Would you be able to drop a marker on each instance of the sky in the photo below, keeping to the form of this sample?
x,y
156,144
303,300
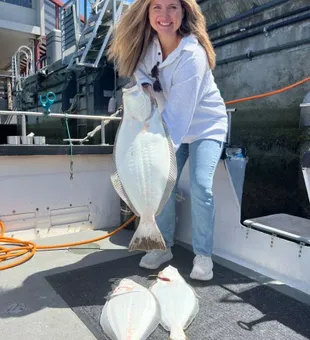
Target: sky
x,y
82,7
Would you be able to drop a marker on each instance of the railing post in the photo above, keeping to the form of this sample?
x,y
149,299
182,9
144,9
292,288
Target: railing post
x,y
24,130
102,132
229,128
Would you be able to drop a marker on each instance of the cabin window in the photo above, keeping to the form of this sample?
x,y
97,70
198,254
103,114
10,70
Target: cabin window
x,y
24,3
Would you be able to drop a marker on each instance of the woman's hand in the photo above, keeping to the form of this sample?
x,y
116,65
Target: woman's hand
x,y
149,89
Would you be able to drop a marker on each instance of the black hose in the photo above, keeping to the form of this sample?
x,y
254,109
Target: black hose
x,y
252,11
262,23
263,30
252,54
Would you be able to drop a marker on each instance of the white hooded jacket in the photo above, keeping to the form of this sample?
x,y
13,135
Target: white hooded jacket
x,y
190,102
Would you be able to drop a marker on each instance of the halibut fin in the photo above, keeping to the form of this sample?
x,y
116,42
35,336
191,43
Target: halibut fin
x,y
173,173
105,324
116,182
147,236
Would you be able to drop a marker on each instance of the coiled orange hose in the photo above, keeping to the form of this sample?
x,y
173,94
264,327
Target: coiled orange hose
x,y
29,248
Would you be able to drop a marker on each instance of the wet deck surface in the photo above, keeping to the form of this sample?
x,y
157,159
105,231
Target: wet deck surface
x,y
60,294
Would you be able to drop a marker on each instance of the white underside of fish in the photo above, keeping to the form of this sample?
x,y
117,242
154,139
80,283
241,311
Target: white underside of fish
x,y
178,302
145,166
131,313
142,158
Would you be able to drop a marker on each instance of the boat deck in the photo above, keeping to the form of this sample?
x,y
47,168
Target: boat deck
x,y
30,308
59,294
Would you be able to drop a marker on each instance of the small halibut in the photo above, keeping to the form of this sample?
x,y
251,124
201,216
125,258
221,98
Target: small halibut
x,y
145,168
131,312
178,302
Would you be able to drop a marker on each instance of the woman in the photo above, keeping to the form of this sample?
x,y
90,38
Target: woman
x,y
164,44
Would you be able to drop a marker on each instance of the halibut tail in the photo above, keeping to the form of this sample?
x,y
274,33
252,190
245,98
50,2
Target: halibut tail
x,y
177,333
147,237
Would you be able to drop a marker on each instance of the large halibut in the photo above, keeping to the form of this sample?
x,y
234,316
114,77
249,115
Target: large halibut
x,y
131,312
178,302
145,165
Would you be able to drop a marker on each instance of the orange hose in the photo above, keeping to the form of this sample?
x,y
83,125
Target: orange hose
x,y
258,96
29,248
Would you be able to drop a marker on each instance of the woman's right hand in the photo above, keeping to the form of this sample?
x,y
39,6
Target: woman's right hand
x,y
149,89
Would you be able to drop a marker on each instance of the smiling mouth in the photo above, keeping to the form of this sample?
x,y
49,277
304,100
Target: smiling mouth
x,y
164,24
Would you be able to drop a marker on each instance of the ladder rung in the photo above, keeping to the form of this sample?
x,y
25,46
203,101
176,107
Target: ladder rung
x,y
86,64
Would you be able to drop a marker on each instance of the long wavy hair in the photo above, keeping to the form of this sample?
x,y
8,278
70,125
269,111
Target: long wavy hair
x,y
133,34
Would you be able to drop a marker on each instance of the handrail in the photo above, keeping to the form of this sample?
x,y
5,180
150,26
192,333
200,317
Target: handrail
x,y
16,69
23,114
90,117
63,115
58,115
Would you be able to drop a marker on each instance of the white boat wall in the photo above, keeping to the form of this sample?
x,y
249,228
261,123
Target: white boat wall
x,y
39,199
276,246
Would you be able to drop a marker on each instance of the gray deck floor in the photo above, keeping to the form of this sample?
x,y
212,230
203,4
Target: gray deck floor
x,y
31,309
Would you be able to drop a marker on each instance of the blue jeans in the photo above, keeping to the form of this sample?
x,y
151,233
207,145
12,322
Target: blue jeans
x,y
203,156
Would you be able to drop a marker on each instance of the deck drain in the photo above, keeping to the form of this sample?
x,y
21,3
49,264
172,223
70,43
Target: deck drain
x,y
16,308
85,248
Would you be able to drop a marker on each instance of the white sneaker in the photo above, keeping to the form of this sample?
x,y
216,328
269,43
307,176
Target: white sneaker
x,y
202,269
154,258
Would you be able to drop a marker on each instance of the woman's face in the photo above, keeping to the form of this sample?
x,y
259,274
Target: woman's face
x,y
165,16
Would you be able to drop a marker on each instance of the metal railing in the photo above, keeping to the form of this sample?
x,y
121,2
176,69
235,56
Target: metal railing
x,y
104,119
26,53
